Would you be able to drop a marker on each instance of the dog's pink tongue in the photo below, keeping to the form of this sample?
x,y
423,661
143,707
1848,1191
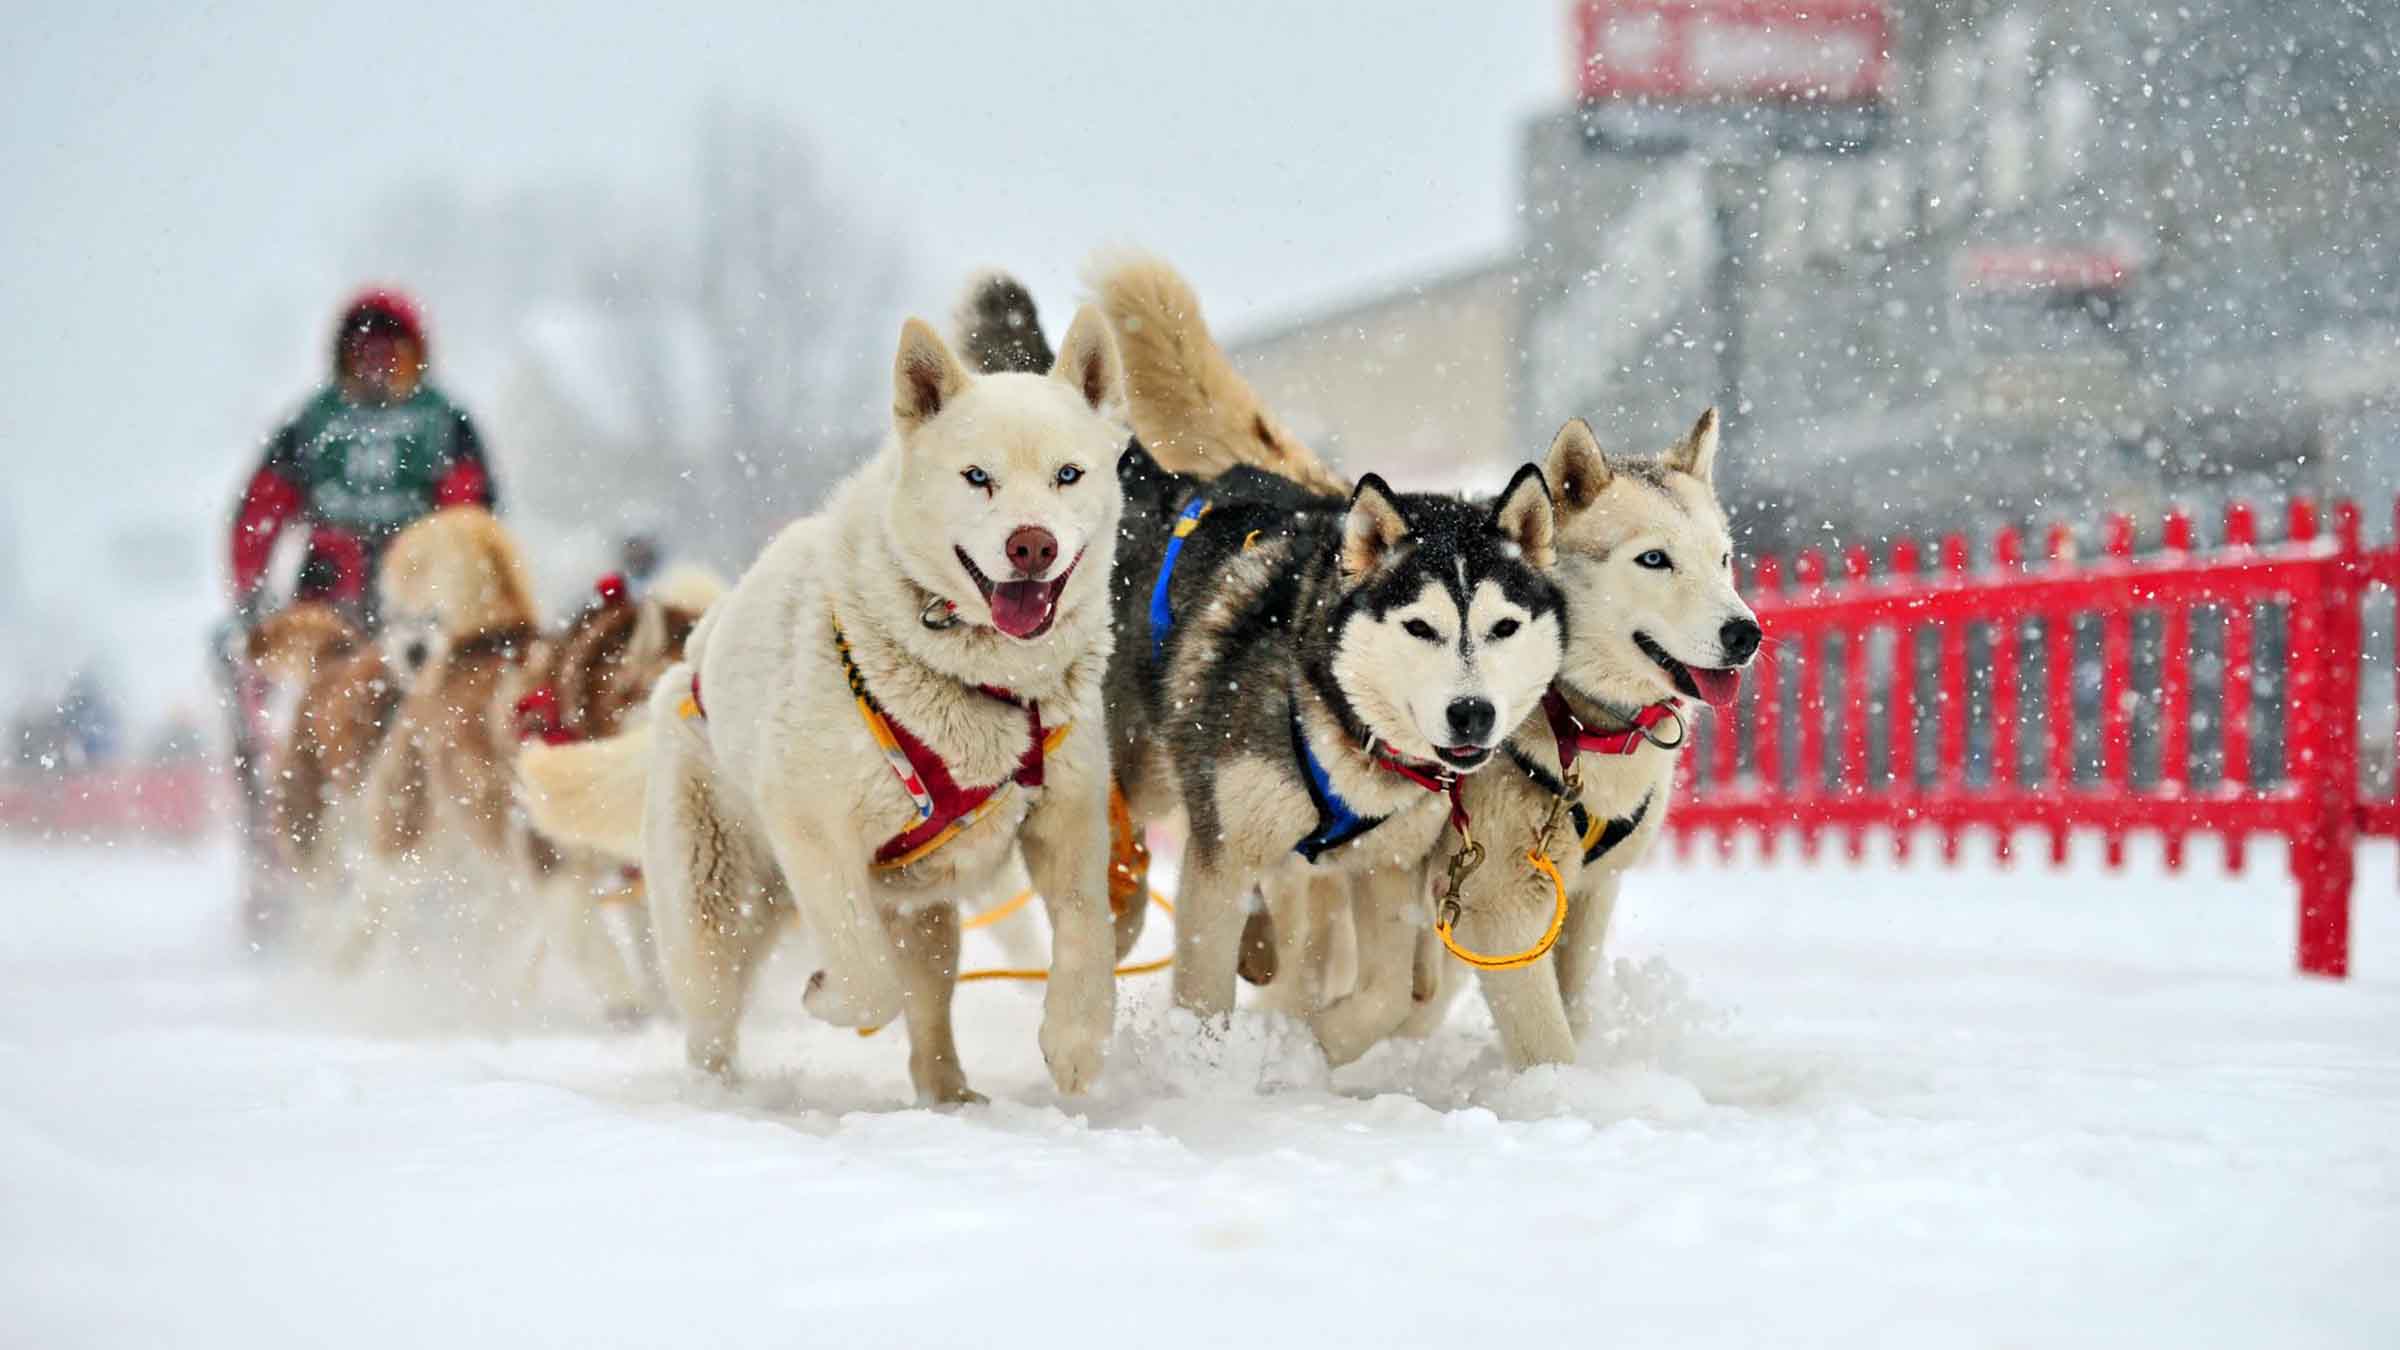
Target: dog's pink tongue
x,y
1719,687
1020,608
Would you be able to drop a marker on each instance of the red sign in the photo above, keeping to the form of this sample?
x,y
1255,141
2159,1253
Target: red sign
x,y
2038,267
1683,51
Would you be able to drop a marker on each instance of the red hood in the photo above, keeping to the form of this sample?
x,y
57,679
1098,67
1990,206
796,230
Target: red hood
x,y
380,307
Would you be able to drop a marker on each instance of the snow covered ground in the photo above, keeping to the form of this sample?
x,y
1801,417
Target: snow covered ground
x,y
1885,1106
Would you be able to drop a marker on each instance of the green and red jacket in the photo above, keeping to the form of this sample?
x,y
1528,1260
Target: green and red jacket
x,y
355,474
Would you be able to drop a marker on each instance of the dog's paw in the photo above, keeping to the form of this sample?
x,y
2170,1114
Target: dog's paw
x,y
1073,1047
844,1004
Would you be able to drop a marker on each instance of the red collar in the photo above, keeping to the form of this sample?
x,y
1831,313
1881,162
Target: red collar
x,y
1439,778
1574,738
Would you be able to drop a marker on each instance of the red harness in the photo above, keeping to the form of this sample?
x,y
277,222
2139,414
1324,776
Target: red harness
x,y
943,807
1575,738
953,806
537,712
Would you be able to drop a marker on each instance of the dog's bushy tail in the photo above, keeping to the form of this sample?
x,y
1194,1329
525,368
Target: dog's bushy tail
x,y
999,331
591,793
293,643
1191,408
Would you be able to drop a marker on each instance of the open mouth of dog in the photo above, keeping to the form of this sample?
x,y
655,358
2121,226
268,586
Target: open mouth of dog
x,y
1718,688
1464,758
1023,609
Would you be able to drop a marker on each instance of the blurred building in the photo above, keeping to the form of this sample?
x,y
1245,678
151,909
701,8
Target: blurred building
x,y
2051,258
1416,383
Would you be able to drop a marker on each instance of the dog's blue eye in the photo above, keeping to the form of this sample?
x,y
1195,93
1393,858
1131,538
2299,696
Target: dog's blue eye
x,y
1656,560
1069,473
1506,628
976,477
1421,630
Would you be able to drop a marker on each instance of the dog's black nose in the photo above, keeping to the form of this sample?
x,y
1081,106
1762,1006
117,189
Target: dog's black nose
x,y
1739,638
415,655
1471,718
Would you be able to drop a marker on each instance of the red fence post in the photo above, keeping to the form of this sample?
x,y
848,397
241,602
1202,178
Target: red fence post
x,y
1900,709
2175,688
2058,668
2327,639
2007,558
1809,777
1854,704
1766,709
2241,533
2116,681
1950,687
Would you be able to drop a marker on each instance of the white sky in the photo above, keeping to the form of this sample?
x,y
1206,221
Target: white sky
x,y
180,180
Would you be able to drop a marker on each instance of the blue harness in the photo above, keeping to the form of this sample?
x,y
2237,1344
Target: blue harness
x,y
1162,613
1337,823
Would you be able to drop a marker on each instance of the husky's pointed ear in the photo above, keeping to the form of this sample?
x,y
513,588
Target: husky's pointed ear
x,y
1524,517
1576,469
925,376
1088,361
1696,454
1373,528
648,645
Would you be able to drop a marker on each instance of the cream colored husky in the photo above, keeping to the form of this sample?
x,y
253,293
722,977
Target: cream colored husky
x,y
902,691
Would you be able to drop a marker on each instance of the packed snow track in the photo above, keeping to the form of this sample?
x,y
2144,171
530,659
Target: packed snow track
x,y
1907,1107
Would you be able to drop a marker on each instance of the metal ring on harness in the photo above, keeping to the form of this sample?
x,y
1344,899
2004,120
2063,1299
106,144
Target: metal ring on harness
x,y
1682,732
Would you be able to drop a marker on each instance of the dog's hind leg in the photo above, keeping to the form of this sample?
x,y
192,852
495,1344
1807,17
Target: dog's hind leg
x,y
713,906
583,922
926,945
1389,916
1304,910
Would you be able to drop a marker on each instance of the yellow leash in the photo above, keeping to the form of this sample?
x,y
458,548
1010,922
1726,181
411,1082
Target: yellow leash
x,y
1010,906
1470,856
1520,960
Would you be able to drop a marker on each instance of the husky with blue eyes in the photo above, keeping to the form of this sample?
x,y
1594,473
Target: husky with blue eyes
x,y
901,695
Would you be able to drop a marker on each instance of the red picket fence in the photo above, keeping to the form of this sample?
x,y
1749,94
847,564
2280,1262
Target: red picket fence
x,y
170,803
2180,691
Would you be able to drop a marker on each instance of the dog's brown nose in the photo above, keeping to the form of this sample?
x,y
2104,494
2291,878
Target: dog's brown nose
x,y
1031,550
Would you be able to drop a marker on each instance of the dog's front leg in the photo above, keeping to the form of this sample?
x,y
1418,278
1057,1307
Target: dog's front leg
x,y
1065,840
837,898
1509,913
1390,914
1583,945
1208,929
1305,908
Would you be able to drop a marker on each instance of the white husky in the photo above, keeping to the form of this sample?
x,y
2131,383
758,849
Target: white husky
x,y
902,691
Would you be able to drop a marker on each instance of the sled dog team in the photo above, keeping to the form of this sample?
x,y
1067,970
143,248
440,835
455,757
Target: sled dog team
x,y
391,798
1428,733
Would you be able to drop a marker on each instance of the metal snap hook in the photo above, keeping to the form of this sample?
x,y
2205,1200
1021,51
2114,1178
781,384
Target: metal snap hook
x,y
1682,733
949,615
